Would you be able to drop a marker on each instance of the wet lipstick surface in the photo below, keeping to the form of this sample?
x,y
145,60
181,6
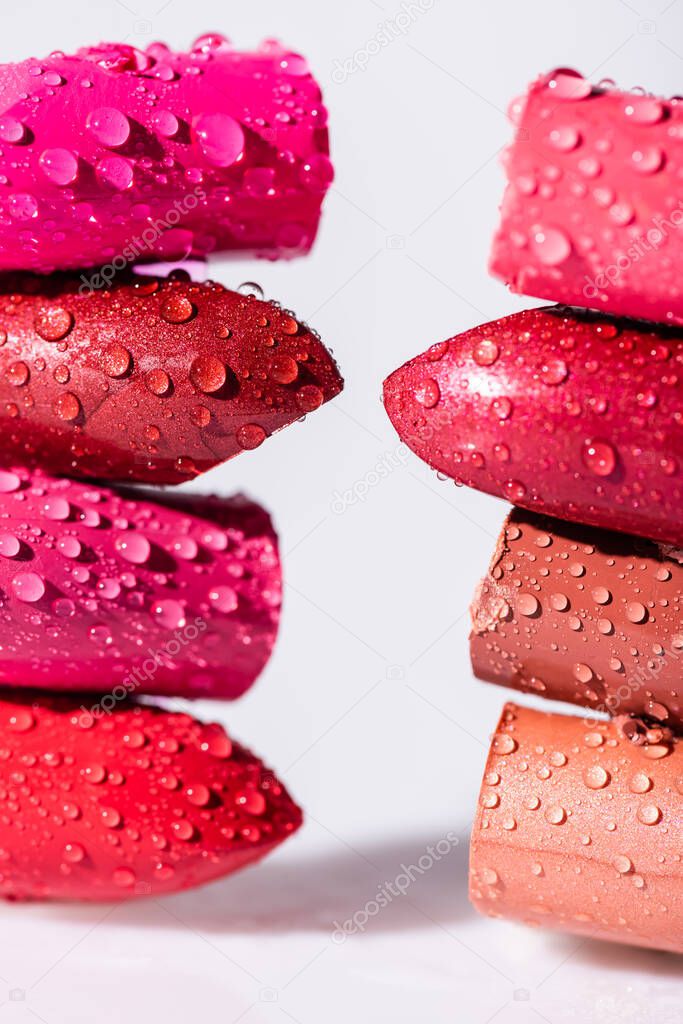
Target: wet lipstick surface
x,y
556,410
133,592
137,802
114,155
153,379
583,615
593,210
580,829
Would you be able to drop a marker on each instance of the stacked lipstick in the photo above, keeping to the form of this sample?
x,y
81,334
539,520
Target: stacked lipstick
x,y
108,157
577,414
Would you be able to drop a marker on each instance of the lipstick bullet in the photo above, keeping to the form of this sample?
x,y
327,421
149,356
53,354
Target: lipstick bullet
x,y
150,380
141,802
592,213
569,413
579,829
582,615
115,155
125,592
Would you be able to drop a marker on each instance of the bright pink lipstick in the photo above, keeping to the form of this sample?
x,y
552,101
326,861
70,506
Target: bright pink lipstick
x,y
127,592
593,212
569,413
113,155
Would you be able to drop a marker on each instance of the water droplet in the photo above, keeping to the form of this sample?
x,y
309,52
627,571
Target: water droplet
x,y
622,864
284,369
485,352
599,457
503,743
636,612
555,815
9,545
28,586
115,171
116,360
67,407
250,436
18,374
554,371
109,126
528,605
649,814
223,598
11,130
220,137
551,246
309,397
133,547
567,85
74,853
169,613
59,166
647,159
177,309
53,323
158,382
596,777
208,374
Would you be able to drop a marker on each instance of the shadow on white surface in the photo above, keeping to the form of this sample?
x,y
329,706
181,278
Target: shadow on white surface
x,y
312,893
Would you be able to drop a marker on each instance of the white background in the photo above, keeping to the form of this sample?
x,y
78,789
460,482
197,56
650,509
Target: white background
x,y
368,709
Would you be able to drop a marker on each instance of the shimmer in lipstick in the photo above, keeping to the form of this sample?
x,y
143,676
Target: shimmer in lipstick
x,y
582,615
557,410
152,379
579,829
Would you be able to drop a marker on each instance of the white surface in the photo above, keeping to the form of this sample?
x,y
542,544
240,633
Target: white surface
x,y
368,709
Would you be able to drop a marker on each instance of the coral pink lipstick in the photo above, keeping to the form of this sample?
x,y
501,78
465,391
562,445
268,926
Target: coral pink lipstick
x,y
579,829
593,212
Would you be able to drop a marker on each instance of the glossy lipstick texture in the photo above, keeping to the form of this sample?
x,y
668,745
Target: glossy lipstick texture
x,y
556,410
583,615
131,592
138,802
593,209
114,155
153,379
580,829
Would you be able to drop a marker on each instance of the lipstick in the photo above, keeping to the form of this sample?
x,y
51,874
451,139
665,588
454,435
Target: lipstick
x,y
582,615
151,379
114,155
579,829
560,411
139,802
592,213
124,592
